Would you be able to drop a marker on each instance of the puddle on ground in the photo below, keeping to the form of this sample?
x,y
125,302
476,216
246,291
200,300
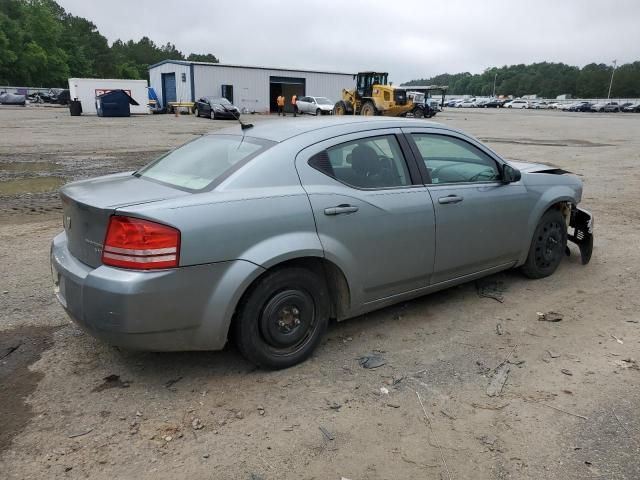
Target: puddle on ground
x,y
19,348
28,167
31,185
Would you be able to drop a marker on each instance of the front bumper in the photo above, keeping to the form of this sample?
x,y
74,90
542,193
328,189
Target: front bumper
x,y
582,223
186,308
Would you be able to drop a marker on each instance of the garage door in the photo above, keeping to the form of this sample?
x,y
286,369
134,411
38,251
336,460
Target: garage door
x,y
287,86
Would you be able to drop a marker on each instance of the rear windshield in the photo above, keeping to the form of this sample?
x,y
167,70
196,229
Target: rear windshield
x,y
198,164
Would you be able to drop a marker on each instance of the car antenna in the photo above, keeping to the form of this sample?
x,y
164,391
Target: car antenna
x,y
243,126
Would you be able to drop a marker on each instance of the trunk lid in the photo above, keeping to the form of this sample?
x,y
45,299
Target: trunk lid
x,y
88,204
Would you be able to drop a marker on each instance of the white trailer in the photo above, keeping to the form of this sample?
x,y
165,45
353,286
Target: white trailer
x,y
87,89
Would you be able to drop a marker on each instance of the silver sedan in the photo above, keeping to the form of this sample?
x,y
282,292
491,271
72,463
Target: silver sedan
x,y
271,231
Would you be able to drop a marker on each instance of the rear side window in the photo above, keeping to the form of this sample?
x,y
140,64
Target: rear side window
x,y
451,160
198,164
372,162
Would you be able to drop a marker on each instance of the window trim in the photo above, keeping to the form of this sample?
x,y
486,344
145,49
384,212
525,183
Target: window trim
x,y
405,151
451,134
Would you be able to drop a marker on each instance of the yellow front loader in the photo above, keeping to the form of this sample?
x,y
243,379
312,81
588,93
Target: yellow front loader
x,y
373,96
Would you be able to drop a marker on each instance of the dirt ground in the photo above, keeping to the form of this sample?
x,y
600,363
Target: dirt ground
x,y
72,407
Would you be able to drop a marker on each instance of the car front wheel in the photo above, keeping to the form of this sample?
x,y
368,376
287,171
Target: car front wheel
x,y
212,114
282,318
548,246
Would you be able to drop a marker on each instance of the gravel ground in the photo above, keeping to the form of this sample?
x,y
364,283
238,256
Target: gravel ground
x,y
72,407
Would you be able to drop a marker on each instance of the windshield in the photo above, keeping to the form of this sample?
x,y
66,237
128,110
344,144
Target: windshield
x,y
197,164
323,101
221,101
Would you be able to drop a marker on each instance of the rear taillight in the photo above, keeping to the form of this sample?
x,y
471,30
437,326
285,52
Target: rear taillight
x,y
140,244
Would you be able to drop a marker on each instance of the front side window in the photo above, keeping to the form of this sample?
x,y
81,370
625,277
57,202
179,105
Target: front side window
x,y
451,160
197,164
373,162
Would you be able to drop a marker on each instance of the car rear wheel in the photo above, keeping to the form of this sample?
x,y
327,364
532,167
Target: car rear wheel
x,y
280,321
548,246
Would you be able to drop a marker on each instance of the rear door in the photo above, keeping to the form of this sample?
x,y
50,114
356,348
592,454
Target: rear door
x,y
374,217
480,221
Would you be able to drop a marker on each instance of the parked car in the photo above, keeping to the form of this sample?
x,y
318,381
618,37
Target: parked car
x,y
468,103
634,107
315,105
269,231
494,103
518,103
583,107
215,107
539,105
612,107
600,106
451,103
12,99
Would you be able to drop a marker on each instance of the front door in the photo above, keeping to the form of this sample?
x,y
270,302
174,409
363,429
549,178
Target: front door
x,y
374,218
168,88
479,220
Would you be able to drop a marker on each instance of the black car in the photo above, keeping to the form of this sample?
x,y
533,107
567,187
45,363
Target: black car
x,y
634,107
583,107
216,107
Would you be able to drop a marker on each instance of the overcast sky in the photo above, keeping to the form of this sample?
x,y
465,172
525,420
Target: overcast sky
x,y
409,39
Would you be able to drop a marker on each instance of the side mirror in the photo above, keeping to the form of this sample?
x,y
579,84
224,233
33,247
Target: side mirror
x,y
510,174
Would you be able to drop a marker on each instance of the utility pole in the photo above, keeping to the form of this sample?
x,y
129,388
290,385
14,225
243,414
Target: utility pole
x,y
494,85
611,82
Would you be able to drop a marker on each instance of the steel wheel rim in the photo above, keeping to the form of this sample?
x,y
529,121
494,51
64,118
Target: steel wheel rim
x,y
288,320
549,245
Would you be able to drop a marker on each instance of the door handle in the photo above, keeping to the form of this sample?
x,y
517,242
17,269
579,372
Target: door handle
x,y
450,199
340,209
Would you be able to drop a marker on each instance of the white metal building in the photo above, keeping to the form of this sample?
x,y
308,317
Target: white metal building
x,y
253,88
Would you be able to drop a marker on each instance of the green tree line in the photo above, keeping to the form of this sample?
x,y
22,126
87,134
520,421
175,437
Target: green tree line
x,y
546,80
41,45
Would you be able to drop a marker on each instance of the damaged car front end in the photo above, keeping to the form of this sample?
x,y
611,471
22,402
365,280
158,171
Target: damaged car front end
x,y
579,220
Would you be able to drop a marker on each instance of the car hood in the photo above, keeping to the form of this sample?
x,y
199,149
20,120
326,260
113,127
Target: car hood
x,y
530,167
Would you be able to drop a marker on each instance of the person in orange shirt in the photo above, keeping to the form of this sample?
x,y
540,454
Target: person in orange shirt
x,y
280,103
294,103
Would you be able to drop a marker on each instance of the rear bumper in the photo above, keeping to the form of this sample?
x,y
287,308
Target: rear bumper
x,y
186,308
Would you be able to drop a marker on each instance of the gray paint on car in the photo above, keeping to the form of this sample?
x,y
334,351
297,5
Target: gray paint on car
x,y
401,243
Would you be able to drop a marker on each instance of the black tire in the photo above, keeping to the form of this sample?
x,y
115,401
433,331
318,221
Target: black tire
x,y
340,108
318,112
196,112
548,245
368,109
212,114
281,319
418,113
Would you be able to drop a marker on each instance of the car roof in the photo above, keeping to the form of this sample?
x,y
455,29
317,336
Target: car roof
x,y
281,130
